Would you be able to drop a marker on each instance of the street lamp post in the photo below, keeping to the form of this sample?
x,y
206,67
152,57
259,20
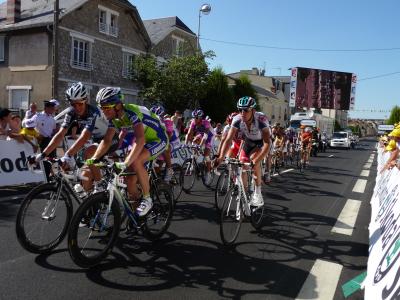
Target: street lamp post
x,y
204,9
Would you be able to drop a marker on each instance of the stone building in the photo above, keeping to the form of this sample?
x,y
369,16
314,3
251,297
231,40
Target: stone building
x,y
97,43
170,37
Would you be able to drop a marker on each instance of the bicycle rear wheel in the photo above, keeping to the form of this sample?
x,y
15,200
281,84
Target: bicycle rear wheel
x,y
159,218
93,232
188,175
43,218
231,217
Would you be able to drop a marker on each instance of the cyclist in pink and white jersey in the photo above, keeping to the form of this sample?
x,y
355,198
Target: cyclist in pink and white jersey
x,y
200,133
169,126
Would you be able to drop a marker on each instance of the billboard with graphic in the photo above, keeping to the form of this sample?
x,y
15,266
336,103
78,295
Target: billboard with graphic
x,y
322,89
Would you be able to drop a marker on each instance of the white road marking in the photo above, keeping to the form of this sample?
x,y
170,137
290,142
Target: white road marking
x,y
347,218
288,170
367,166
330,155
360,185
321,282
364,173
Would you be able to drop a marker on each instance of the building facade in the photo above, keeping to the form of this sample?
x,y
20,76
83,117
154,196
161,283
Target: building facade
x,y
97,43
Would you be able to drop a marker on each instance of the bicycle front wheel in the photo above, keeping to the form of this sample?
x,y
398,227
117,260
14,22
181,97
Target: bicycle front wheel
x,y
223,184
93,230
257,215
188,175
231,217
158,219
43,218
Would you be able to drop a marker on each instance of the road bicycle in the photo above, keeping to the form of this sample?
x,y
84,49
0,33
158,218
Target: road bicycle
x,y
192,169
46,211
96,224
236,204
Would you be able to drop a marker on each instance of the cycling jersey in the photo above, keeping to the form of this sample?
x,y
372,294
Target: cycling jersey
x,y
254,133
203,128
156,139
92,121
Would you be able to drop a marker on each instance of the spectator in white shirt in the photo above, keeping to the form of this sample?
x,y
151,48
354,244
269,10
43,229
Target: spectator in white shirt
x,y
30,113
45,125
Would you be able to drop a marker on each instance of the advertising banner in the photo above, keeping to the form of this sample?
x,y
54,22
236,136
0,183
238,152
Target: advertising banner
x,y
293,81
383,273
13,169
322,89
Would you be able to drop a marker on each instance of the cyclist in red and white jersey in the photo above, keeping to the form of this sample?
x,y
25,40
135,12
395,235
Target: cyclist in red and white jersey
x,y
254,127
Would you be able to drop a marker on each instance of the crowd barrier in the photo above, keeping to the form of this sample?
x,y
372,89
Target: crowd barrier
x,y
13,168
383,272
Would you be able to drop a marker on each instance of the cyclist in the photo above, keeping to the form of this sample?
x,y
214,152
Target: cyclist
x,y
254,127
89,120
306,137
200,133
148,140
237,140
169,126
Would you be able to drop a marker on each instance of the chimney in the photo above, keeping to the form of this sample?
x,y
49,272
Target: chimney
x,y
13,11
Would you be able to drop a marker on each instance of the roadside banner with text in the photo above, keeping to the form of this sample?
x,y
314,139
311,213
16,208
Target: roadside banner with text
x,y
13,168
383,273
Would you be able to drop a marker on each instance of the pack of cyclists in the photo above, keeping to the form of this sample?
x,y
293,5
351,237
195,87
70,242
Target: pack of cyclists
x,y
145,134
132,137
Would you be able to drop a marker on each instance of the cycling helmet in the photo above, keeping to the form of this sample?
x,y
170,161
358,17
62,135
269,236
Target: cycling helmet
x,y
246,102
197,113
77,91
109,95
158,110
230,117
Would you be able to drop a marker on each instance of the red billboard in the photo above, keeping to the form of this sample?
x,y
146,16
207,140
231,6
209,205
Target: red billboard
x,y
322,89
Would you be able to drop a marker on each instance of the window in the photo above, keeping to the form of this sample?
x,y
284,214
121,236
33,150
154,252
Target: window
x,y
102,21
177,46
18,96
113,25
81,51
1,48
127,66
108,21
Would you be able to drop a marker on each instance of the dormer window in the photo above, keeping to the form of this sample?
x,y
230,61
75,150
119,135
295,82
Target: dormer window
x,y
108,21
177,46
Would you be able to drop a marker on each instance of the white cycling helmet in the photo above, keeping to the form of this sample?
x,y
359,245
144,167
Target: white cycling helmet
x,y
77,91
109,95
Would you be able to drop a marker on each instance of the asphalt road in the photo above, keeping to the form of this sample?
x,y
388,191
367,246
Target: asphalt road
x,y
280,261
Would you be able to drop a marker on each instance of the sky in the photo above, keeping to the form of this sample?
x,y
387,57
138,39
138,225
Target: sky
x,y
311,24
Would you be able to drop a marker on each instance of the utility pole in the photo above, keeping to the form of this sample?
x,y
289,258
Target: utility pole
x,y
55,49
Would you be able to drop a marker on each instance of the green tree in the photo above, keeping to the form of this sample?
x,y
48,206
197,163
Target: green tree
x,y
394,116
243,87
179,83
218,101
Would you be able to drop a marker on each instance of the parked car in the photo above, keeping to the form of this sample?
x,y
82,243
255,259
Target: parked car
x,y
340,139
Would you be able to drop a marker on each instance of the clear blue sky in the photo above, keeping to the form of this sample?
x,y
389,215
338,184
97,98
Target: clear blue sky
x,y
316,24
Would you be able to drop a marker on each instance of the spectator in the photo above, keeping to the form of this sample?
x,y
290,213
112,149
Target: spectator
x,y
15,123
178,121
30,134
56,105
45,125
7,129
30,113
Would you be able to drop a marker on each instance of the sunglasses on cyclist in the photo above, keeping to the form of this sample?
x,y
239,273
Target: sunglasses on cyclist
x,y
244,109
77,103
106,107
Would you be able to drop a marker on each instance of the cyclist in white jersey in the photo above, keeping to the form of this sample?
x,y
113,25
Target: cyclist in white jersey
x,y
254,127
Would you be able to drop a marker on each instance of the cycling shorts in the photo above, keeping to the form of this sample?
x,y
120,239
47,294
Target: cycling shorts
x,y
199,137
249,148
235,147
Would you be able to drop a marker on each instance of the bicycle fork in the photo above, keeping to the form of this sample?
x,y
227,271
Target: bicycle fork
x,y
52,203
